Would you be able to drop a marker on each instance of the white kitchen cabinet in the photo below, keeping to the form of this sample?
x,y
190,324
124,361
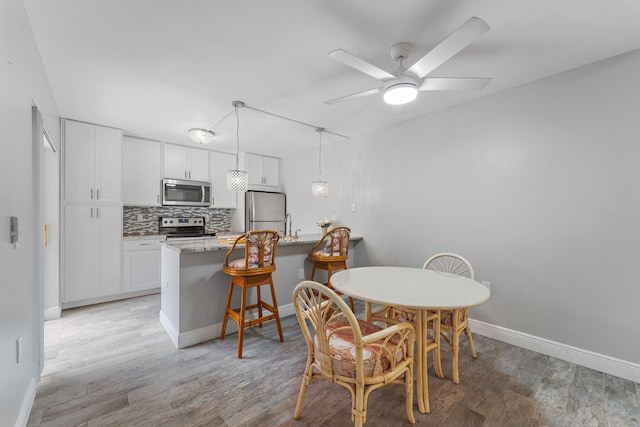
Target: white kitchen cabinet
x,y
92,251
140,264
186,163
264,171
220,163
141,172
93,158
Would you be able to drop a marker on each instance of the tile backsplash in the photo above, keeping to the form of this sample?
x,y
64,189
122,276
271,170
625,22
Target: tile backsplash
x,y
216,220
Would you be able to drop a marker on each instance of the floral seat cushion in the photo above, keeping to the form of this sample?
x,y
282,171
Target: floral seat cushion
x,y
446,317
342,350
254,258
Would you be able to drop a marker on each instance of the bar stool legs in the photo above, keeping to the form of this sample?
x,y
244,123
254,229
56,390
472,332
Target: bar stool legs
x,y
239,314
330,267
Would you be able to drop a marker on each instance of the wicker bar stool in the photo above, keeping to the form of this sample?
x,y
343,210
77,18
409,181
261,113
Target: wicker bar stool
x,y
330,253
252,271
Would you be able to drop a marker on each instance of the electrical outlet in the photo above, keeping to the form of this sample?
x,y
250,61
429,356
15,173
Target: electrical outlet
x,y
353,207
334,218
301,273
19,349
487,285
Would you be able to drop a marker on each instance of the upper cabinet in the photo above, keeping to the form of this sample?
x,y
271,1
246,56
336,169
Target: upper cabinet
x,y
220,163
186,163
264,172
141,172
92,163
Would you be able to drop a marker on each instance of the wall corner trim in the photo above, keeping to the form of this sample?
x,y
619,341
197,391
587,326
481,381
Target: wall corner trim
x,y
27,404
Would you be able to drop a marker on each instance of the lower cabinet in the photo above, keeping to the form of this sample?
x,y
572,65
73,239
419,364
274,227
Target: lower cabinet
x,y
140,265
92,251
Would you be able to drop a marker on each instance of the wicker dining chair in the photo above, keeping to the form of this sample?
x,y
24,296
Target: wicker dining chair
x,y
252,271
330,253
450,325
353,353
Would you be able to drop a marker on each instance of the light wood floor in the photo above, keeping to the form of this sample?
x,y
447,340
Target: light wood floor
x,y
113,365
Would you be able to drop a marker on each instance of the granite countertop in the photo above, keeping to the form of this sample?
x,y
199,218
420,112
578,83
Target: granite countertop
x,y
142,236
213,244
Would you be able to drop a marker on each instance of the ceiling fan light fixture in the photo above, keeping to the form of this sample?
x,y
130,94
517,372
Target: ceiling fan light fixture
x,y
201,136
400,93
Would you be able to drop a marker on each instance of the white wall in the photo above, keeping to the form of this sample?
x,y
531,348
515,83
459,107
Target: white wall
x,y
538,186
22,80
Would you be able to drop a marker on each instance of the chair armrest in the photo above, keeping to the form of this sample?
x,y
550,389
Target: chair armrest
x,y
400,328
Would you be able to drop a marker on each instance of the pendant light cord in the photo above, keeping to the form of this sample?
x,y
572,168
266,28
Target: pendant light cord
x,y
237,138
320,152
240,104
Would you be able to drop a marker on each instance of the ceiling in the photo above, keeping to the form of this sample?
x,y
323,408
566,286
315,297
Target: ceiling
x,y
156,68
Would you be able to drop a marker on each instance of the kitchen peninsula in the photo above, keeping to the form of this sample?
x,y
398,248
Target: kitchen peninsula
x,y
194,287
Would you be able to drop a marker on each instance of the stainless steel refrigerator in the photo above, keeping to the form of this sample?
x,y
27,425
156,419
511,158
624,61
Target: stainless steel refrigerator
x,y
265,210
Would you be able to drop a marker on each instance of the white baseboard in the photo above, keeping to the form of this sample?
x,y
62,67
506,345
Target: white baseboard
x,y
197,336
599,362
109,298
52,313
27,404
169,328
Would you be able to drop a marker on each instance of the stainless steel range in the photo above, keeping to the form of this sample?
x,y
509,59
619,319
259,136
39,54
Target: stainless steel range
x,y
184,228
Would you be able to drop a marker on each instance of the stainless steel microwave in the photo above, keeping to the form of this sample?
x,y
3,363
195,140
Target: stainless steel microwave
x,y
180,192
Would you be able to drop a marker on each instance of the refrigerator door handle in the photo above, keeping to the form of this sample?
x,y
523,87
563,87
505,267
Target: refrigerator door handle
x,y
252,212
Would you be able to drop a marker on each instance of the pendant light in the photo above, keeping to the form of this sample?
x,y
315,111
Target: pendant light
x,y
237,180
320,188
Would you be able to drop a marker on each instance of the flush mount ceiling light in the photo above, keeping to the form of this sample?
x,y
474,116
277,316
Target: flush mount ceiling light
x,y
320,188
237,180
201,136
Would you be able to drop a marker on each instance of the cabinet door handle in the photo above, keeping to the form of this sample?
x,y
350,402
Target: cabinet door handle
x,y
189,174
158,198
91,193
98,194
97,212
185,175
91,212
145,244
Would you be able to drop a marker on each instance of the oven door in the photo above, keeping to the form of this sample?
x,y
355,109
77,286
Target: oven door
x,y
178,192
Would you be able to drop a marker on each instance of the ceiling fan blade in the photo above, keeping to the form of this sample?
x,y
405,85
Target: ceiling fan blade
x,y
454,43
453,83
354,96
360,64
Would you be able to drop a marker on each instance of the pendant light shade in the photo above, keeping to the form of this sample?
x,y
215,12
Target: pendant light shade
x,y
202,136
320,188
237,180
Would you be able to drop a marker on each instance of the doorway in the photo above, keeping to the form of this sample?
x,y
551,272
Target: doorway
x,y
46,224
51,227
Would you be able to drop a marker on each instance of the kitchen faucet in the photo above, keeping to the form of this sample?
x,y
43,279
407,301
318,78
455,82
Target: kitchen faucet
x,y
287,218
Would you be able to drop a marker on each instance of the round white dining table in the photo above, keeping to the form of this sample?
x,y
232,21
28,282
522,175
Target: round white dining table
x,y
417,288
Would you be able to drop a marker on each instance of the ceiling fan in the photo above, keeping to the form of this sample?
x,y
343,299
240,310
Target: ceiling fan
x,y
402,86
